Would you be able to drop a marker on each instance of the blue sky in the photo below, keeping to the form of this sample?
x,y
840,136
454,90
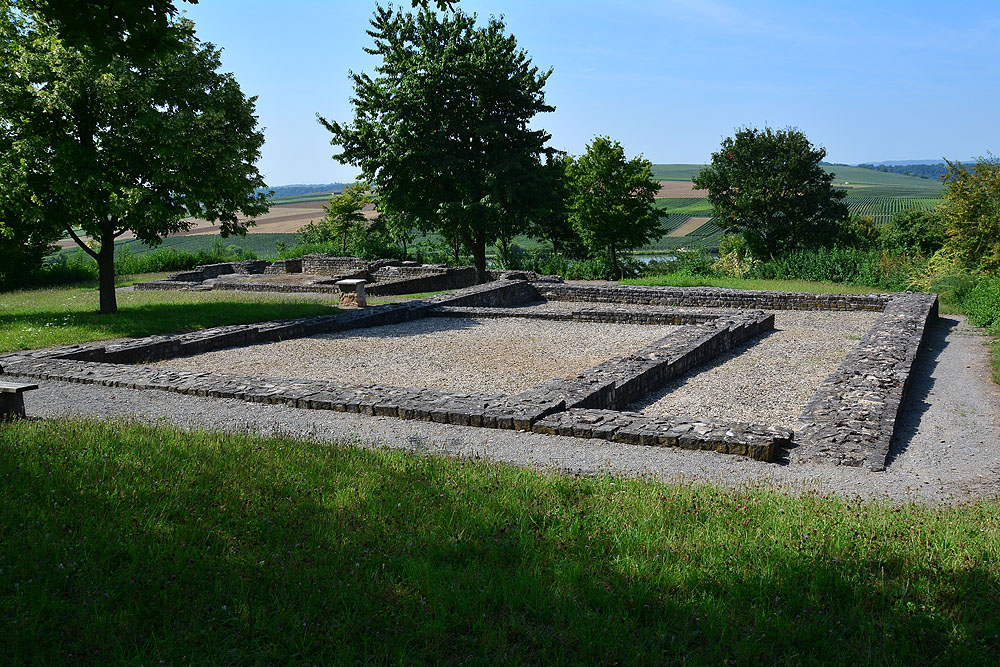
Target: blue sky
x,y
669,79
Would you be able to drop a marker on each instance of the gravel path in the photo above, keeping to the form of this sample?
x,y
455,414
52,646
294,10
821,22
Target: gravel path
x,y
501,356
949,449
769,380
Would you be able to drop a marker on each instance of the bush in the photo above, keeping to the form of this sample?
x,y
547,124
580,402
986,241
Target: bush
x,y
914,232
982,302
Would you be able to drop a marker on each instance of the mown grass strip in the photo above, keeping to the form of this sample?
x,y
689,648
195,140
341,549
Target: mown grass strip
x,y
38,318
129,543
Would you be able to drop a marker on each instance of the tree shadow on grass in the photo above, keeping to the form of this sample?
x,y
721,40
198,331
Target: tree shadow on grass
x,y
213,550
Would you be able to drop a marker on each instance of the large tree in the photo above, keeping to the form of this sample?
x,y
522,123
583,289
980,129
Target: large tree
x,y
440,129
611,199
137,29
768,185
972,213
101,147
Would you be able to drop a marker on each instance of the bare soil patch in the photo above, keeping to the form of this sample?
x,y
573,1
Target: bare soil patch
x,y
679,190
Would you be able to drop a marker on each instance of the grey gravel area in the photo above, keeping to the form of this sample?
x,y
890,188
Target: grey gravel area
x,y
501,356
769,380
949,449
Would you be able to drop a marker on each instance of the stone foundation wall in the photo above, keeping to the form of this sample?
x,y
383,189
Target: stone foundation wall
x,y
852,417
332,266
208,271
413,280
711,297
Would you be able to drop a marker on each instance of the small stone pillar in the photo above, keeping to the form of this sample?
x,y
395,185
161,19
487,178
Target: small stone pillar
x,y
352,293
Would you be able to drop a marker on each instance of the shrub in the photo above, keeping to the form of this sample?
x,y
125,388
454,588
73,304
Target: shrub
x,y
914,232
982,302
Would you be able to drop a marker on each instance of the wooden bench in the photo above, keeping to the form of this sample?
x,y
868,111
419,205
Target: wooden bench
x,y
12,398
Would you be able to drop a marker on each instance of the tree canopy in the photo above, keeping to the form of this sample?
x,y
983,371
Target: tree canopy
x,y
972,213
98,148
611,199
440,130
768,185
137,29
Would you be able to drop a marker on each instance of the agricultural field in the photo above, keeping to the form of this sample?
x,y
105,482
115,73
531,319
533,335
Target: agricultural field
x,y
871,193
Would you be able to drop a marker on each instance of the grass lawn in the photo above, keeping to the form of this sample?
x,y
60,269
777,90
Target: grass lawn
x,y
128,543
42,317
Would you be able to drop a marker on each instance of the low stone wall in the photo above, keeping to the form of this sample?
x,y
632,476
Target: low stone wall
x,y
852,417
282,266
208,271
413,280
711,297
605,314
332,266
634,428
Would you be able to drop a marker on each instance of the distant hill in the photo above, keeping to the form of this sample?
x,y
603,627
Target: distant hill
x,y
299,189
858,181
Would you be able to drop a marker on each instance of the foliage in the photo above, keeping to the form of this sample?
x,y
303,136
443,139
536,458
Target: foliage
x,y
552,222
441,129
116,145
769,186
343,215
35,318
913,231
108,28
126,543
972,213
857,231
611,200
982,303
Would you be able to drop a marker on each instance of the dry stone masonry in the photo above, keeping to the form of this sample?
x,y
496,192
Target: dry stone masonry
x,y
849,421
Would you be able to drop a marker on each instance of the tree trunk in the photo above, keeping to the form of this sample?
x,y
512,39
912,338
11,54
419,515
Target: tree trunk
x,y
106,273
479,258
614,262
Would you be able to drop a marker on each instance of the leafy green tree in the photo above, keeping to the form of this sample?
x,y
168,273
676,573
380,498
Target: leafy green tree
x,y
769,186
344,213
441,128
611,199
972,213
115,146
136,29
551,221
913,231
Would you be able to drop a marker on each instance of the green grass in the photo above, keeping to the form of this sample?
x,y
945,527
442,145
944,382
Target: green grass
x,y
38,318
133,544
687,280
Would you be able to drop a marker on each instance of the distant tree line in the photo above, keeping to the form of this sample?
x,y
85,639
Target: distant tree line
x,y
930,171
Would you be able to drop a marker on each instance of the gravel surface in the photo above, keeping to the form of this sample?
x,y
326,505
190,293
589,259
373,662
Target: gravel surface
x,y
501,356
948,449
770,379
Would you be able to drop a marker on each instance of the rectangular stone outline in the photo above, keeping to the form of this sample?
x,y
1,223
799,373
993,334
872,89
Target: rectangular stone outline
x,y
863,437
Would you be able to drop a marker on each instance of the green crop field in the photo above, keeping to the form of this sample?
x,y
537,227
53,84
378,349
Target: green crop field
x,y
883,208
